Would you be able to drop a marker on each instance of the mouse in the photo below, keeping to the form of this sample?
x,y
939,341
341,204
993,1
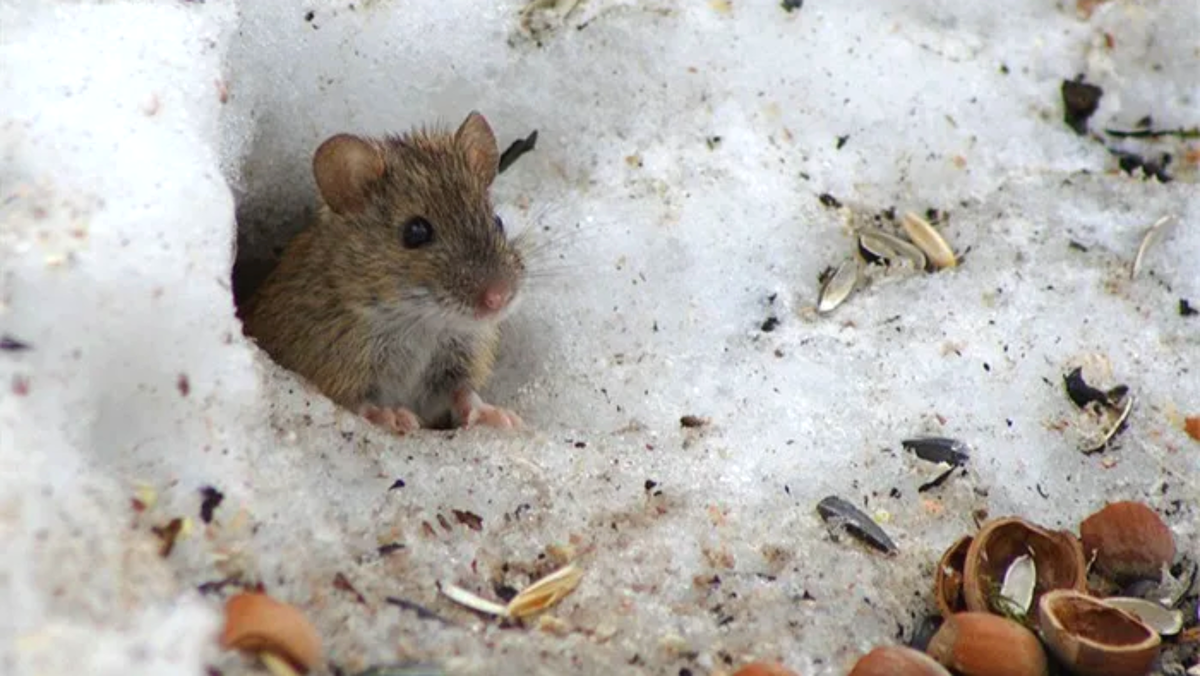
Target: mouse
x,y
390,301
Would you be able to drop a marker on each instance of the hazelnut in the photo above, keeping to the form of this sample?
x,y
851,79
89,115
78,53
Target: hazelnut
x,y
1129,540
982,644
1057,555
894,660
1093,638
276,632
764,669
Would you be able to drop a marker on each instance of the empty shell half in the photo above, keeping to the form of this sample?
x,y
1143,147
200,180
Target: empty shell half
x,y
1093,638
925,236
948,578
1057,555
879,247
837,286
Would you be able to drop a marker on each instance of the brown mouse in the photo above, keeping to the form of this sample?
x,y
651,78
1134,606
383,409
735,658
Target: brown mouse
x,y
390,301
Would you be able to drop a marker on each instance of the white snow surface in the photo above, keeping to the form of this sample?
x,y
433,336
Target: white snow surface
x,y
682,148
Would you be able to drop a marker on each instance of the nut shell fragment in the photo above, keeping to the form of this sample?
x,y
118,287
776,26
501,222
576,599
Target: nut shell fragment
x,y
1191,425
764,669
257,623
1093,638
1056,554
948,578
982,644
894,660
1129,540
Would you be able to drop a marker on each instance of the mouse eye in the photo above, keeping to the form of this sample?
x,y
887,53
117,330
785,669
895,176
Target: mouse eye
x,y
417,232
499,224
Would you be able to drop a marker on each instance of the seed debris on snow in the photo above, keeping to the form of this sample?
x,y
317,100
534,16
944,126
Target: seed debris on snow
x,y
537,597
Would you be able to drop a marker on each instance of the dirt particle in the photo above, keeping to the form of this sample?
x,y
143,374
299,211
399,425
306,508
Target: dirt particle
x,y
829,200
167,536
10,344
1080,100
468,519
210,499
341,582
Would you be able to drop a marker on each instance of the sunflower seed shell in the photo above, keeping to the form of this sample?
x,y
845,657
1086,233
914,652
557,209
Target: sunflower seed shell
x,y
927,238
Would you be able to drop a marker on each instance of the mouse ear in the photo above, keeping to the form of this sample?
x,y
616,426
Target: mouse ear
x,y
345,166
476,139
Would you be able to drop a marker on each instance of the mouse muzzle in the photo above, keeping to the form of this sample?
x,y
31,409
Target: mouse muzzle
x,y
495,297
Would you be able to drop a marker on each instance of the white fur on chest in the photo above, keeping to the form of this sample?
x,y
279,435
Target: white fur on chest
x,y
411,348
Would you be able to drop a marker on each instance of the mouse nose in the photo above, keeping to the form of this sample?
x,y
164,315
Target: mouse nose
x,y
495,297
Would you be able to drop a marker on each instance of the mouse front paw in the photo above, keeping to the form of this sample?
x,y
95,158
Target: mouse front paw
x,y
494,416
398,420
471,411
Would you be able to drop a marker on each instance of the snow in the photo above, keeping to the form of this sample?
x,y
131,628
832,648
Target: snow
x,y
682,148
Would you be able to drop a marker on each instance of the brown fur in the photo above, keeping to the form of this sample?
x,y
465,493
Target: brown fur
x,y
369,321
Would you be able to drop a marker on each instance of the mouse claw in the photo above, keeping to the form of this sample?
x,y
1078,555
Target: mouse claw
x,y
398,420
472,411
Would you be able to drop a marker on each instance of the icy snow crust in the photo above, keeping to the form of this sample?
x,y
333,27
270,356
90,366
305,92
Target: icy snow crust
x,y
682,147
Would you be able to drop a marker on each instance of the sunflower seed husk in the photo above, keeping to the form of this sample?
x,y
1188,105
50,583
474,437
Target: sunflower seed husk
x,y
944,471
938,449
1185,582
463,597
1019,581
1083,394
276,665
405,669
841,514
1169,590
545,592
1116,424
838,286
1152,235
1165,621
877,246
927,238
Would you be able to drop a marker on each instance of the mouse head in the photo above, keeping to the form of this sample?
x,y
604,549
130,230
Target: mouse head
x,y
418,223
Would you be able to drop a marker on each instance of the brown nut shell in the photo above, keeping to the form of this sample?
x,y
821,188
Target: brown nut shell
x,y
1129,540
1057,555
1095,639
895,660
257,623
764,669
982,644
948,578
